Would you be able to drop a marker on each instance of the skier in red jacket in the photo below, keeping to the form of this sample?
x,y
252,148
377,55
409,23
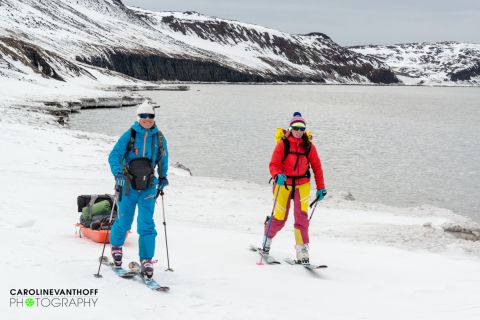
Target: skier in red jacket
x,y
290,168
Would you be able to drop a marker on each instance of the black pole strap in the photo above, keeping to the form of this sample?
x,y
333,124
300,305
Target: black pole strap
x,y
314,201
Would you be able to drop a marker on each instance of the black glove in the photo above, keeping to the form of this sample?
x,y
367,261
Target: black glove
x,y
162,183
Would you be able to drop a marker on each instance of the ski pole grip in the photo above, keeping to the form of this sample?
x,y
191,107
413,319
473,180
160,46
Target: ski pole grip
x,y
314,201
118,193
159,193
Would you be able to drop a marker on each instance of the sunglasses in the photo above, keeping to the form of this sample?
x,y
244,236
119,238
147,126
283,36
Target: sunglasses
x,y
298,128
146,115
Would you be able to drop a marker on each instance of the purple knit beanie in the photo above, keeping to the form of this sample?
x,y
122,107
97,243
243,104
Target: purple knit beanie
x,y
297,120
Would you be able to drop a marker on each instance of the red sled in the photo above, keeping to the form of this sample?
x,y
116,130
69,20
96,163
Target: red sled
x,y
95,235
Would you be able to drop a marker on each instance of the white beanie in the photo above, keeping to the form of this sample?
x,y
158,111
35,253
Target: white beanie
x,y
145,107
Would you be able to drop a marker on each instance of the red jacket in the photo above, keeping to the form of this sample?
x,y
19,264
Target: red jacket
x,y
288,167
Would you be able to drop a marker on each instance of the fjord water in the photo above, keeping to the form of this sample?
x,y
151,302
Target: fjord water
x,y
401,146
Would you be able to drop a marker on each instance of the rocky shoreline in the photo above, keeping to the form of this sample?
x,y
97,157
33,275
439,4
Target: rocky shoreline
x,y
62,108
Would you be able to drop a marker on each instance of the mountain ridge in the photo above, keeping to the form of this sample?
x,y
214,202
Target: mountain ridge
x,y
108,34
190,46
430,63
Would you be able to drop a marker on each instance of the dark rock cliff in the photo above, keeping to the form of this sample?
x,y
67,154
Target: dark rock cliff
x,y
466,74
155,67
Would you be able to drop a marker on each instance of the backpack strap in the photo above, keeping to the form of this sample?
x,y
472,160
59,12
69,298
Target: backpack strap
x,y
130,147
131,143
308,143
161,153
286,148
93,198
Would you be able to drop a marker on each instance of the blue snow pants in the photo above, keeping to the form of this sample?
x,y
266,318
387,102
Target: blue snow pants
x,y
145,199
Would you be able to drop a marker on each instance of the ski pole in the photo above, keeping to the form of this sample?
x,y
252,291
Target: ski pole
x,y
314,207
270,220
98,275
165,229
315,202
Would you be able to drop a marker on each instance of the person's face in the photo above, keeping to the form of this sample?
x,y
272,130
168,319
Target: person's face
x,y
298,132
146,120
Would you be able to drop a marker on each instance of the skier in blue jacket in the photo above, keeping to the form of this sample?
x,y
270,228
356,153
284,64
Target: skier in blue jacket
x,y
132,161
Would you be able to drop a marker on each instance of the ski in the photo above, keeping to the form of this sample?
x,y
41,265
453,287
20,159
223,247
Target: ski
x,y
308,266
134,270
154,285
150,283
118,270
266,257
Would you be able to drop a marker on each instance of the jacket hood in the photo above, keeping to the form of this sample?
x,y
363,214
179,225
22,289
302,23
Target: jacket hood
x,y
137,127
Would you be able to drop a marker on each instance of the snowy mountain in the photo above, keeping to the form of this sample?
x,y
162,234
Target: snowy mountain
x,y
61,38
441,63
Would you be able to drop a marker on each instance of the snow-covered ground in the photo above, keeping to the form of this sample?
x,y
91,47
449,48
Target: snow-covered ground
x,y
383,262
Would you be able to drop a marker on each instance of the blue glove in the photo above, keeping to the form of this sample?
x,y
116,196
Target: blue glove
x,y
120,180
321,193
162,183
280,179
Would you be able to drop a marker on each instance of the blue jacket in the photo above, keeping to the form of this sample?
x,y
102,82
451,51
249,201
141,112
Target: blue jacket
x,y
142,149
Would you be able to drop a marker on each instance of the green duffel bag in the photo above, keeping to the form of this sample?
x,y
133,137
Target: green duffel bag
x,y
100,208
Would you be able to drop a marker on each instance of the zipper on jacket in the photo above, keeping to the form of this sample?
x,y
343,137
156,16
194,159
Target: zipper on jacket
x,y
145,143
297,166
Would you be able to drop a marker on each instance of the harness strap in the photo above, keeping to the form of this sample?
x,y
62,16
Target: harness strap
x,y
294,183
296,163
295,178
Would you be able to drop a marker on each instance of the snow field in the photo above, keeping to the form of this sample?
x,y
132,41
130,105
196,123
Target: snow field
x,y
210,224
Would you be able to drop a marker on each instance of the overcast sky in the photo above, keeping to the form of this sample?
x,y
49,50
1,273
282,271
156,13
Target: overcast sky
x,y
348,22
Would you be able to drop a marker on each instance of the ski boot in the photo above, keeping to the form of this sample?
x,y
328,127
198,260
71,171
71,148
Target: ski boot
x,y
117,255
266,250
302,253
147,268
